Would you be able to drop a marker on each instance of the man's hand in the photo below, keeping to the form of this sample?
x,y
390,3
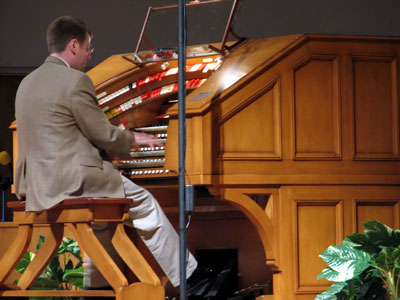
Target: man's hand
x,y
144,139
141,139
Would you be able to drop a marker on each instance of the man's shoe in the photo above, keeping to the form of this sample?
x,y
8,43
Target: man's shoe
x,y
200,281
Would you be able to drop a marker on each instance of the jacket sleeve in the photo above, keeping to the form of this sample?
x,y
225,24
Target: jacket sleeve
x,y
93,123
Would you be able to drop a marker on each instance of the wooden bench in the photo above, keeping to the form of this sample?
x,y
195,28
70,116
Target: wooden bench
x,y
78,214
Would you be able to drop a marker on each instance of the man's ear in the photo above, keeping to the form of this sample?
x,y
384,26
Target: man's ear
x,y
73,45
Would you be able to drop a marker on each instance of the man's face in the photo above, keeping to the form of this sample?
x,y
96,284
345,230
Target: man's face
x,y
82,54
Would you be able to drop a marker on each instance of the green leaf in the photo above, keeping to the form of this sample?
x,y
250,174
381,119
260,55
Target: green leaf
x,y
371,274
73,274
346,261
366,265
379,234
24,262
361,242
333,275
397,260
45,284
78,282
40,242
386,258
396,257
330,294
54,276
70,246
396,236
359,286
365,287
75,277
326,273
54,270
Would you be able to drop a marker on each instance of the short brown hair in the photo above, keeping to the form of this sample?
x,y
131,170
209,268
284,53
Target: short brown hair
x,y
62,30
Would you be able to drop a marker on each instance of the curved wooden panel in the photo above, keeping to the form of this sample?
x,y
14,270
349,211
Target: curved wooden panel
x,y
256,215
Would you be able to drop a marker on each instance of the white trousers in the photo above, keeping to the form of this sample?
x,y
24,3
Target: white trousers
x,y
146,215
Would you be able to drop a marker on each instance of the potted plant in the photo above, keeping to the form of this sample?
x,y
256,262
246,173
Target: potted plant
x,y
365,266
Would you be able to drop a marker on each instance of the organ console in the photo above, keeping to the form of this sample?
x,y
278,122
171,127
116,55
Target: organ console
x,y
139,99
300,133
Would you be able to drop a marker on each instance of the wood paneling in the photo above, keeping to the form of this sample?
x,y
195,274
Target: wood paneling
x,y
322,216
319,223
316,108
254,121
313,123
376,113
381,210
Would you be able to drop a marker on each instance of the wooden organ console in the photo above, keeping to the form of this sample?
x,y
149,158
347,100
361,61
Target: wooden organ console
x,y
307,125
139,98
299,132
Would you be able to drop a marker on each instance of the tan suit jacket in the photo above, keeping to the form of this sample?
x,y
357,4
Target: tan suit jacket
x,y
61,137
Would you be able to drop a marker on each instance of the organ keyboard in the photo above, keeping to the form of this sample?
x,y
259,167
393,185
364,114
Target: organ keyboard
x,y
139,100
158,89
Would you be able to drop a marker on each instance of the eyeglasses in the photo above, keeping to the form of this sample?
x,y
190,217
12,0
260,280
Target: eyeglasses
x,y
90,50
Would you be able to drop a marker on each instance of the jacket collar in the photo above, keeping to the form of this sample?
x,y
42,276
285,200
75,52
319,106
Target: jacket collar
x,y
57,61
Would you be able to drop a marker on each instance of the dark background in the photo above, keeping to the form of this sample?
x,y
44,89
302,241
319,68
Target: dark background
x,y
117,23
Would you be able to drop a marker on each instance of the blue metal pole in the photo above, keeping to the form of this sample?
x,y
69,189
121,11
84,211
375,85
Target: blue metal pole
x,y
182,144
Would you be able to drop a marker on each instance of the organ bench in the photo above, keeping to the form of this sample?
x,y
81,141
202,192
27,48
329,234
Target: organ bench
x,y
77,214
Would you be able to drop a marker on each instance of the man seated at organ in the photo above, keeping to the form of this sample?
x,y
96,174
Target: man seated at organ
x,y
66,143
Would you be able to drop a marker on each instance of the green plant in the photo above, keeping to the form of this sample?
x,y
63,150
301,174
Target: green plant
x,y
61,273
365,266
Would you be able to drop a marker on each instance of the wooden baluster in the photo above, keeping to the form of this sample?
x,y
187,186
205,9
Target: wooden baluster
x,y
16,251
131,255
43,256
101,259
